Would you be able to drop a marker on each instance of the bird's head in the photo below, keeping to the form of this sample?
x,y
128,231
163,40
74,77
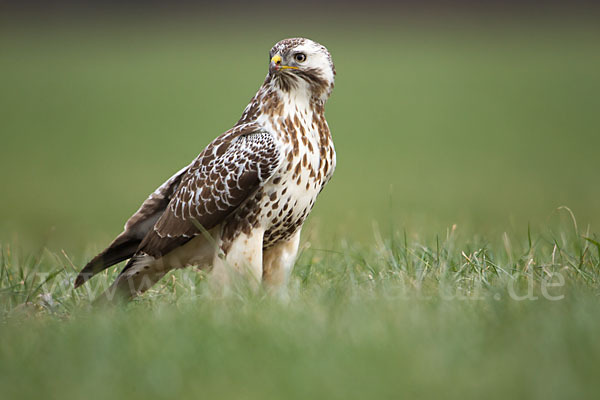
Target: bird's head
x,y
303,65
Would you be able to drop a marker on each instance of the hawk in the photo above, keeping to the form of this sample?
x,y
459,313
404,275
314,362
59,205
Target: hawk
x,y
240,205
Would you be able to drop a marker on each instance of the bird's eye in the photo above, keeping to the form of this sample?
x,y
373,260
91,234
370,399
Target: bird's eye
x,y
300,57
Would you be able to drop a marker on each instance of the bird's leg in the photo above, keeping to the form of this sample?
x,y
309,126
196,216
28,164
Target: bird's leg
x,y
242,259
278,262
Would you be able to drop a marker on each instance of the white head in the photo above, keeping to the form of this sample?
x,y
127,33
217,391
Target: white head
x,y
301,64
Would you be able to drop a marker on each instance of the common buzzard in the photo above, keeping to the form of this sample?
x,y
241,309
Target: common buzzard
x,y
240,205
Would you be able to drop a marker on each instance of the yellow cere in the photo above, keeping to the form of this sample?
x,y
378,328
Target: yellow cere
x,y
277,60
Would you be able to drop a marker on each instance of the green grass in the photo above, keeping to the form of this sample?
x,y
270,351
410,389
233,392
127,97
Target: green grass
x,y
437,263
404,317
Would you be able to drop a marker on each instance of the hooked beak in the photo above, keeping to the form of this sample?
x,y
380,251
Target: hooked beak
x,y
276,65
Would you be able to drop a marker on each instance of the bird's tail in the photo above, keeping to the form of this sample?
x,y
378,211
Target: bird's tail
x,y
121,249
140,274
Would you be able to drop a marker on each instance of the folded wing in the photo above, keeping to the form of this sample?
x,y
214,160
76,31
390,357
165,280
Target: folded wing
x,y
227,172
136,228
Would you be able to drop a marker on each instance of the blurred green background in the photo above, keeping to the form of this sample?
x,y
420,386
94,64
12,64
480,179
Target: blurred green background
x,y
486,122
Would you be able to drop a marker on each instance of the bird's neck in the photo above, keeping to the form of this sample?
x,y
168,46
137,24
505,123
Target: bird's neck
x,y
272,101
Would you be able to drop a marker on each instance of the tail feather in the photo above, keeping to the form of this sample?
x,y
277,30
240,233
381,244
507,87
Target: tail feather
x,y
139,275
118,251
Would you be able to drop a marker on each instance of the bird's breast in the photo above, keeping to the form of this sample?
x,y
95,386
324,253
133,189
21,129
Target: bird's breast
x,y
308,162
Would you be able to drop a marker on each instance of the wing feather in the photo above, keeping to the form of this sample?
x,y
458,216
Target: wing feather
x,y
136,228
225,174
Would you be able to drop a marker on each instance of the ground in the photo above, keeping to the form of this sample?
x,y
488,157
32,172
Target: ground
x,y
454,254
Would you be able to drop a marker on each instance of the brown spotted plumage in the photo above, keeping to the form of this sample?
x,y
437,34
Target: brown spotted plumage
x,y
240,205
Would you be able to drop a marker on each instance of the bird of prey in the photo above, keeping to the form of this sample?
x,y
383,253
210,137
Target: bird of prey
x,y
240,205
